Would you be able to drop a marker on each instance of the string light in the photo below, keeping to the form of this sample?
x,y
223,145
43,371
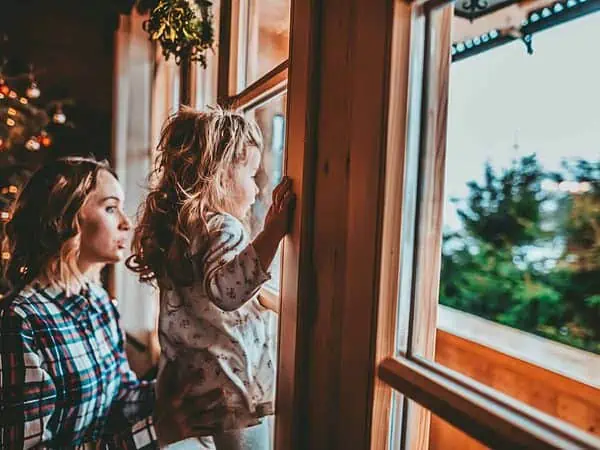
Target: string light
x,y
12,94
45,140
10,122
12,112
23,100
5,216
33,91
59,117
5,255
32,145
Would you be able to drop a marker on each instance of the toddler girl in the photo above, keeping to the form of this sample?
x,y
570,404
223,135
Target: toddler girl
x,y
191,240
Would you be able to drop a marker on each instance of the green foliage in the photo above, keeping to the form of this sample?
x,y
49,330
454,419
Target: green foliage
x,y
184,28
493,268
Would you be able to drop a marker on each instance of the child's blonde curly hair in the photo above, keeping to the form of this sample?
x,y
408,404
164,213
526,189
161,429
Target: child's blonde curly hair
x,y
195,154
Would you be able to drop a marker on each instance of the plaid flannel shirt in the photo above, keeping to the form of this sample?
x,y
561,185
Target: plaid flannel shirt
x,y
64,377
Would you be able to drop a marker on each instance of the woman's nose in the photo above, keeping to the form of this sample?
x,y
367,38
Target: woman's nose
x,y
125,222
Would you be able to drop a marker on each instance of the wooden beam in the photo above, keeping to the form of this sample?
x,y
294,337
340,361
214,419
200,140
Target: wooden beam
x,y
225,13
271,84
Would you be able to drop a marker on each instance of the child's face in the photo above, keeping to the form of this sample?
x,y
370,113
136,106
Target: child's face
x,y
244,185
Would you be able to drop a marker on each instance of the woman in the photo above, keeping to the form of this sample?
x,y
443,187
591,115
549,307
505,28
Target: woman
x,y
65,381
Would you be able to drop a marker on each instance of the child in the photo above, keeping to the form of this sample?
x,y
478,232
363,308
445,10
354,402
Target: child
x,y
191,240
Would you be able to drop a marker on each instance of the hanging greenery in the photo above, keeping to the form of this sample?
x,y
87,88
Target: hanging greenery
x,y
183,28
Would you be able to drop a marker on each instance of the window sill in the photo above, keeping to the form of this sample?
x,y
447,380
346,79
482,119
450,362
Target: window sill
x,y
553,356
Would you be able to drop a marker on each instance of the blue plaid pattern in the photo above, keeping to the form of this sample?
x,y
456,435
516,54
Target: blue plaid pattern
x,y
64,376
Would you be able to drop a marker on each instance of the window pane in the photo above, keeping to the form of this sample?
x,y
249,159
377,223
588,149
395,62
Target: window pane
x,y
270,117
520,275
268,37
523,186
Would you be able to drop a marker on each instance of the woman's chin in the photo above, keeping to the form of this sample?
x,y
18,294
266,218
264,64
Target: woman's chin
x,y
117,257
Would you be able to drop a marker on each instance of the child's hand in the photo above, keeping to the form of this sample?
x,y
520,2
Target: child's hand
x,y
277,222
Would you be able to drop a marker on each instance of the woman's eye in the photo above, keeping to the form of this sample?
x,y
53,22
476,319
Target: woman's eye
x,y
111,209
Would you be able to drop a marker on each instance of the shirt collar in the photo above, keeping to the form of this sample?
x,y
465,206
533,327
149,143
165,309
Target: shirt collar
x,y
75,304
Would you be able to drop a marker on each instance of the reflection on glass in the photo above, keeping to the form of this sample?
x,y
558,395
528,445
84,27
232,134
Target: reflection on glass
x,y
270,117
268,36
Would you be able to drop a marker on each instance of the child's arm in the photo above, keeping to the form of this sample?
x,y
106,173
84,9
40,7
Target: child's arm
x,y
232,271
233,274
269,300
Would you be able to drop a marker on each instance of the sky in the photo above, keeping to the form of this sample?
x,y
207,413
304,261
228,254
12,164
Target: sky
x,y
547,103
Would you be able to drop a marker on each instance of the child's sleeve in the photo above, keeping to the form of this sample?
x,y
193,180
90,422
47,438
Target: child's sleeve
x,y
232,271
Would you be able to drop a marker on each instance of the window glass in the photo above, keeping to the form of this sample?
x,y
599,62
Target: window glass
x,y
268,37
270,117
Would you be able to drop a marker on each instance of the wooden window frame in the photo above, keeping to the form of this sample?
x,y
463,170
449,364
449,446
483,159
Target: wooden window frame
x,y
298,156
412,222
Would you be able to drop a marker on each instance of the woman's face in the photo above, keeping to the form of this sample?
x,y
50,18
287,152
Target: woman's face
x,y
244,184
104,225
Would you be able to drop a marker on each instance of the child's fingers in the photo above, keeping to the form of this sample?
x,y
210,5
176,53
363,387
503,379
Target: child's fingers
x,y
280,186
280,189
288,199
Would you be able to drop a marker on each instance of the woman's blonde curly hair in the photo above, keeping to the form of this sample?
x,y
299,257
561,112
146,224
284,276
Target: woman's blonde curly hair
x,y
190,181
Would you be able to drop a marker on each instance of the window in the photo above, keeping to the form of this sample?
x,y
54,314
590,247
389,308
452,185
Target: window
x,y
476,96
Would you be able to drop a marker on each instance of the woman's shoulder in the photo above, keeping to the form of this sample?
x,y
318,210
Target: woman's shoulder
x,y
28,302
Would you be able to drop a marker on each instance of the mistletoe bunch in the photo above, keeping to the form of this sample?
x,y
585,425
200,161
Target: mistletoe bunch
x,y
183,28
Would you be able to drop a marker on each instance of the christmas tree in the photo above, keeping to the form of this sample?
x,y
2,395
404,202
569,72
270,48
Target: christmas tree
x,y
26,125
